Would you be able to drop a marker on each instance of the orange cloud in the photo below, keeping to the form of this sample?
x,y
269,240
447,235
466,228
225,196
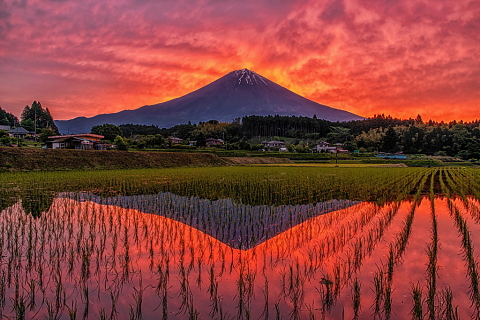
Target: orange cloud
x,y
367,57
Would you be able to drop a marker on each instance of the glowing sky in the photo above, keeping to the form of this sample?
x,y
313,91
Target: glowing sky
x,y
81,58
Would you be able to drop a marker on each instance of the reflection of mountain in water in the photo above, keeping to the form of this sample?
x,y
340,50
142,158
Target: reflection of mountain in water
x,y
237,225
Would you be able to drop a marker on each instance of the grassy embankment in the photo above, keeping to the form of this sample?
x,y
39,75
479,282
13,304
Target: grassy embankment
x,y
25,159
34,159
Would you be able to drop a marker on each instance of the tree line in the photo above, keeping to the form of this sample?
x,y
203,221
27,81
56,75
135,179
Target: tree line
x,y
379,133
34,119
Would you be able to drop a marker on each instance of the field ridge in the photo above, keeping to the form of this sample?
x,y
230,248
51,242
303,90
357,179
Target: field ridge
x,y
25,159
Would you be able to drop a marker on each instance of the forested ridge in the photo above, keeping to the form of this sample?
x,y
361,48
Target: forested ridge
x,y
379,133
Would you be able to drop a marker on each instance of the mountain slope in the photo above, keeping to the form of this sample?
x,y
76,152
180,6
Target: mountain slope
x,y
237,94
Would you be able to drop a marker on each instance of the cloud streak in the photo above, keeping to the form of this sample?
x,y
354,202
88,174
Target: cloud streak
x,y
367,57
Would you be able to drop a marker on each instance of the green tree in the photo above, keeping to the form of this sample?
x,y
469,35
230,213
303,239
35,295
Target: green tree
x,y
244,145
109,131
201,140
4,138
302,148
338,135
40,117
350,146
390,140
259,146
28,124
413,139
7,119
46,132
155,141
120,143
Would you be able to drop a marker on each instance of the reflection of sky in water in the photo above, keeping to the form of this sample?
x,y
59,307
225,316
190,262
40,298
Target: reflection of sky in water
x,y
182,270
237,225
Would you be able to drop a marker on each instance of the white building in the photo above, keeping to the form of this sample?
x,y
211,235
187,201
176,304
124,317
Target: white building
x,y
323,146
273,144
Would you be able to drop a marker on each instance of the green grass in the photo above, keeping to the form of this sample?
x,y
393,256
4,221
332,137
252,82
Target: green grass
x,y
322,165
279,184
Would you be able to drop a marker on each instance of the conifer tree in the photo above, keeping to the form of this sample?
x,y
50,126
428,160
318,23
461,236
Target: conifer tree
x,y
40,117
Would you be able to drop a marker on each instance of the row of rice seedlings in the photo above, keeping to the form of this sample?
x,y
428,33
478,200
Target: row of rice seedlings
x,y
471,178
467,249
383,276
432,269
361,247
343,269
438,306
473,207
460,182
466,181
469,257
455,186
246,184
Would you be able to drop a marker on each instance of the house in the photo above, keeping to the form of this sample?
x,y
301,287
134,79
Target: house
x,y
273,144
82,141
174,140
19,132
323,146
211,142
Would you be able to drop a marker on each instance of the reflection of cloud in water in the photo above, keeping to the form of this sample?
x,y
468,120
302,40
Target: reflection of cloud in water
x,y
235,224
126,251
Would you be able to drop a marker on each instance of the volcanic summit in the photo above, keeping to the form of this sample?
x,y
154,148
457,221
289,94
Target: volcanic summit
x,y
237,94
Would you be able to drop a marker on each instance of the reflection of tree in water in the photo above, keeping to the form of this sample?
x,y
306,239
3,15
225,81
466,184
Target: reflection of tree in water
x,y
7,200
36,202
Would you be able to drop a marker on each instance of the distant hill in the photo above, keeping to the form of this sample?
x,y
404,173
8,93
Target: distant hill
x,y
239,93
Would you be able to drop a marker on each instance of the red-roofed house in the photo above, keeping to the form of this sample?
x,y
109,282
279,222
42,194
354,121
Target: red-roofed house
x,y
82,141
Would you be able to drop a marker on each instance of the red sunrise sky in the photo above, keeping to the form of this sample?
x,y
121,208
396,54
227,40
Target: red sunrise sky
x,y
82,58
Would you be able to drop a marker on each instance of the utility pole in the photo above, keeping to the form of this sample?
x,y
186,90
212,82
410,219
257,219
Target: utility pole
x,y
35,125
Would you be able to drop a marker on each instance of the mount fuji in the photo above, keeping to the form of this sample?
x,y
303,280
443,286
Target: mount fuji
x,y
237,94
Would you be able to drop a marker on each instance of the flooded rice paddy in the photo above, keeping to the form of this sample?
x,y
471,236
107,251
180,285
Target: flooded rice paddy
x,y
71,252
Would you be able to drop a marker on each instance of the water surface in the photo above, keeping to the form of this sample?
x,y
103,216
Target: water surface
x,y
172,257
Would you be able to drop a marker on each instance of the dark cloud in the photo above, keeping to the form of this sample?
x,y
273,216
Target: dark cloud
x,y
4,14
334,11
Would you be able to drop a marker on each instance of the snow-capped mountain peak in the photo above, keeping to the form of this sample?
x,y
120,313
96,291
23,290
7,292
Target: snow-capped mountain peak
x,y
237,94
249,77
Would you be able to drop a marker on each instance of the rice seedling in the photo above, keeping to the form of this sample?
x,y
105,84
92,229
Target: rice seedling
x,y
431,273
417,308
19,307
72,310
192,242
449,311
356,298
